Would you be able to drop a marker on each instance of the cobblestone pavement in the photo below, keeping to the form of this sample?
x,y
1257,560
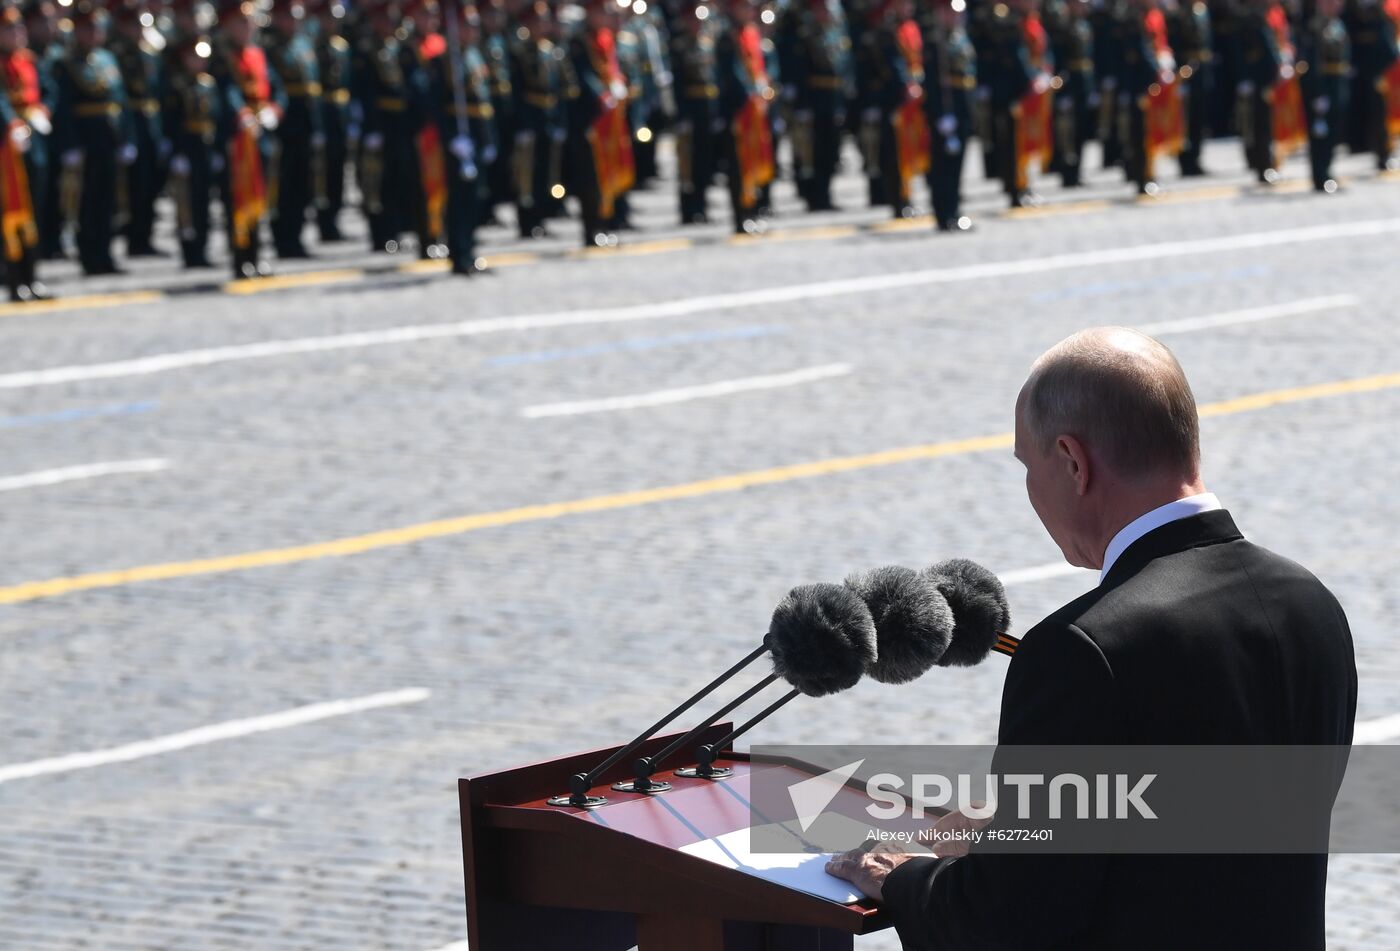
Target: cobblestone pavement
x,y
544,634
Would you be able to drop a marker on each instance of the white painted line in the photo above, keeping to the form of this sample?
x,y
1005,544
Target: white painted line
x,y
686,393
1381,730
454,946
164,362
1308,306
73,473
1057,569
231,729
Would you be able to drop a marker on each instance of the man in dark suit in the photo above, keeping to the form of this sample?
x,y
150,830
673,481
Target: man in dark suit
x,y
1193,636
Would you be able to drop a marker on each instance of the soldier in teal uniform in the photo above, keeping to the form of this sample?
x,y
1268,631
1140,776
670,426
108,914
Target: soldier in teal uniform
x,y
537,85
140,181
92,135
333,68
1189,32
820,80
191,117
45,42
1324,68
950,88
388,154
698,120
301,141
641,44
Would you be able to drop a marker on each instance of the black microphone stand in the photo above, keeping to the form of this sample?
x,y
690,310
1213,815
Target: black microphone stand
x,y
580,783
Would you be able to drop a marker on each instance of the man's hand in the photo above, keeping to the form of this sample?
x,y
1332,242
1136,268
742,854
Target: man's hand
x,y
867,867
947,842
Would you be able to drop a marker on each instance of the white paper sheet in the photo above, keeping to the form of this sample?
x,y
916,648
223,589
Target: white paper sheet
x,y
803,871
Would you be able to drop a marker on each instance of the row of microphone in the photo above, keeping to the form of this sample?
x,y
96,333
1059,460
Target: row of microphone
x,y
893,623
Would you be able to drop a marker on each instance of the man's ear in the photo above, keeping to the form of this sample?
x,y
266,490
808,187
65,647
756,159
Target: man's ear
x,y
1075,459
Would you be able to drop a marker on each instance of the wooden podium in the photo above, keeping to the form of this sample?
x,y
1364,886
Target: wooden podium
x,y
546,878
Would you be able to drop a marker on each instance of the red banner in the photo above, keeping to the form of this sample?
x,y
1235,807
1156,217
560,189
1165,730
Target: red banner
x,y
1290,123
1164,123
913,143
17,217
753,145
248,189
1033,126
609,137
1390,81
432,171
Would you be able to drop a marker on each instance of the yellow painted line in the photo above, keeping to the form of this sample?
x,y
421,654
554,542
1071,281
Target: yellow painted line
x,y
1388,174
426,267
1058,208
1292,187
921,223
1210,193
820,233
511,258
641,249
410,534
259,285
115,299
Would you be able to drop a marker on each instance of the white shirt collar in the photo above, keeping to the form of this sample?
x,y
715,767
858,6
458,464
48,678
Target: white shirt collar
x,y
1161,515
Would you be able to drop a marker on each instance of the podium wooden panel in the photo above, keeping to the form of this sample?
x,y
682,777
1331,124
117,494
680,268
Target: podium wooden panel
x,y
545,878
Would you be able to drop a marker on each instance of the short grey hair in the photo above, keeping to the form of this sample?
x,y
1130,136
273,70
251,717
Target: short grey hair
x,y
1120,392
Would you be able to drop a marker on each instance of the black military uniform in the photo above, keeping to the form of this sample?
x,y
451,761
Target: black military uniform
x,y
1139,70
462,111
495,50
388,154
1189,32
140,180
872,59
950,88
46,44
24,121
1373,47
1011,75
333,70
300,140
1324,65
1072,46
536,83
1107,23
819,109
1257,68
92,131
698,119
191,117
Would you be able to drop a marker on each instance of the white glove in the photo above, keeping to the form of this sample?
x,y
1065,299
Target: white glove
x,y
488,155
789,92
1285,72
468,171
19,137
179,165
216,163
947,125
954,145
461,147
352,132
39,121
1319,129
1245,88
72,158
1322,104
126,154
165,148
374,141
267,118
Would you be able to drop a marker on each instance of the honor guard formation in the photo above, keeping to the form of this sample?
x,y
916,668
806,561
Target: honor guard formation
x,y
431,116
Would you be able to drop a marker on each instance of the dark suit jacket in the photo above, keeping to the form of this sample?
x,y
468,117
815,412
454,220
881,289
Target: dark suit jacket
x,y
1196,636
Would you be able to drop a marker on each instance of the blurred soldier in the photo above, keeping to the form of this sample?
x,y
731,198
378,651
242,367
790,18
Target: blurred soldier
x,y
745,97
1224,27
602,147
45,43
301,142
950,70
388,157
140,180
1270,101
820,69
1107,21
459,96
250,108
191,118
1072,46
698,119
1189,33
1034,111
92,135
872,60
22,160
537,84
1375,99
333,69
428,179
1324,62
648,107
1149,104
904,129
495,47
